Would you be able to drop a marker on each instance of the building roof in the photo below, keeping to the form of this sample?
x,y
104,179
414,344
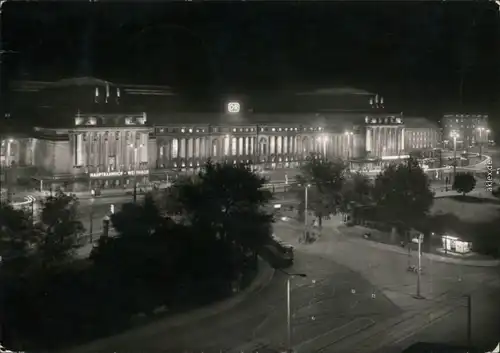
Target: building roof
x,y
337,119
33,86
419,122
465,115
80,81
336,91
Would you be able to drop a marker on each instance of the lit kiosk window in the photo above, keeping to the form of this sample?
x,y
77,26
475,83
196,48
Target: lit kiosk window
x,y
233,107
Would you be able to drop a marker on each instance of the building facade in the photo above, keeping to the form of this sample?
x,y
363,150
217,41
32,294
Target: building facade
x,y
422,135
103,143
471,129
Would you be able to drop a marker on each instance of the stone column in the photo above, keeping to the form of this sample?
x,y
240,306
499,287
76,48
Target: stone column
x,y
368,144
402,134
106,151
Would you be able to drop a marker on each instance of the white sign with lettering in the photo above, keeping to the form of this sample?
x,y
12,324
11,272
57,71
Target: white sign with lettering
x,y
138,172
118,174
106,174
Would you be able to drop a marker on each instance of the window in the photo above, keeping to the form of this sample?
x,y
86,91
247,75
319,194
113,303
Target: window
x,y
214,148
234,146
175,148
226,145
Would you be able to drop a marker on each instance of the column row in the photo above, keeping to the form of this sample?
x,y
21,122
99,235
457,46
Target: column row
x,y
384,141
226,146
109,151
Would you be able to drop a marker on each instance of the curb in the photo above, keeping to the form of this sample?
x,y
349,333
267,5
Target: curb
x,y
263,278
433,257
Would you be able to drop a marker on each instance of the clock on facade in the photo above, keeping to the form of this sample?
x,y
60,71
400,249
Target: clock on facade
x,y
233,107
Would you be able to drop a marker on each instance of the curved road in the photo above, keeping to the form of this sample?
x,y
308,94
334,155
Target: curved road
x,y
342,306
350,301
331,297
443,285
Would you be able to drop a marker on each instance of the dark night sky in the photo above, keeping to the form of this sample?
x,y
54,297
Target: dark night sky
x,y
411,52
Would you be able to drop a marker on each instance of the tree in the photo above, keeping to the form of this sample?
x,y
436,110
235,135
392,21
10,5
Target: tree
x,y
402,194
168,200
356,191
58,230
17,238
37,255
326,179
227,202
464,183
138,220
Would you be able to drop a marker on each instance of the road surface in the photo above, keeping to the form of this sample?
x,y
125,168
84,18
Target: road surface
x,y
351,294
443,286
452,329
330,298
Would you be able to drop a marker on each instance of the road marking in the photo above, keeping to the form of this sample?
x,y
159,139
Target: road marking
x,y
403,329
323,341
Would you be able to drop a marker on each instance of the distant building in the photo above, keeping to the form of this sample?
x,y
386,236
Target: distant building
x,y
93,133
421,134
471,129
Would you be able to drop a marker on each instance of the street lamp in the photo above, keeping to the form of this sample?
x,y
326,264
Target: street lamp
x,y
454,136
7,145
419,269
480,129
349,140
91,215
135,168
306,187
289,277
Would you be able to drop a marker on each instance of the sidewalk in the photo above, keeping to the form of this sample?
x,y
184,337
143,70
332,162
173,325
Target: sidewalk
x,y
87,195
355,234
263,278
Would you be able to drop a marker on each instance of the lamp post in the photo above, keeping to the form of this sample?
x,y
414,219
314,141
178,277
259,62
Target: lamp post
x,y
469,319
480,129
7,143
289,277
305,206
454,136
135,169
91,216
419,269
349,135
1,167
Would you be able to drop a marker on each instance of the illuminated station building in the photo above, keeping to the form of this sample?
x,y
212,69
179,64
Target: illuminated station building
x,y
95,134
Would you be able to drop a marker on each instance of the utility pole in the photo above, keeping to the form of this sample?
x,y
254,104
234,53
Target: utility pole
x,y
419,267
135,175
91,218
289,277
469,320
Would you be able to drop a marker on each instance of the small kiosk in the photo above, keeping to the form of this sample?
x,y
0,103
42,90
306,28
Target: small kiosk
x,y
455,245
